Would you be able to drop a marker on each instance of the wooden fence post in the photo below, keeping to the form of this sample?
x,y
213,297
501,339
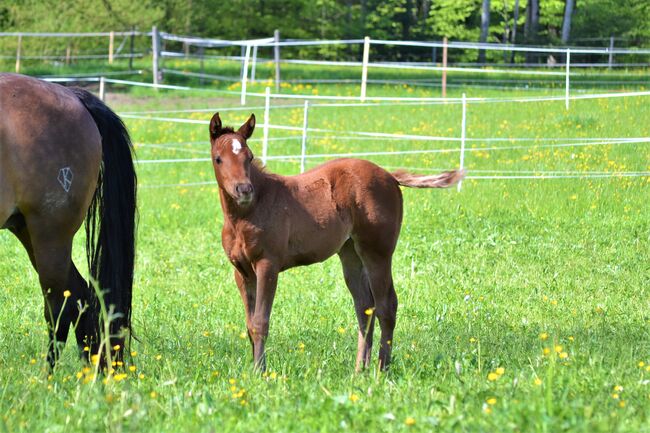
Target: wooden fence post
x,y
111,45
20,43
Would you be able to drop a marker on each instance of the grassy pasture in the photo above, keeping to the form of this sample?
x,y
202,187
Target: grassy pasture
x,y
523,303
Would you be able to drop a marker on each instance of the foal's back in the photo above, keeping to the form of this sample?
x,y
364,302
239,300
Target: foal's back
x,y
360,188
339,200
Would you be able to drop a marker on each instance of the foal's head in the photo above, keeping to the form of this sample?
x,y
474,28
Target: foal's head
x,y
232,158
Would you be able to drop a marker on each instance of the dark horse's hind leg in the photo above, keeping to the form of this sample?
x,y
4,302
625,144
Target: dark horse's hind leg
x,y
357,281
51,258
86,319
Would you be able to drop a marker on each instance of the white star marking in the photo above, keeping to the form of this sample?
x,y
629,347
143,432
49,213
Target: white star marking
x,y
236,146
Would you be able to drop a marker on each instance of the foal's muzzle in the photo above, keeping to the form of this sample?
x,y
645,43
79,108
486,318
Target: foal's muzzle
x,y
244,193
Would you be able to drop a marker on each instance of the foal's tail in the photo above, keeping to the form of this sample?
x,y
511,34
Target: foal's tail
x,y
111,219
442,180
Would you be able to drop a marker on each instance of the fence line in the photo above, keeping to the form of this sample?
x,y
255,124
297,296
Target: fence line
x,y
381,134
431,100
514,177
74,35
459,66
76,56
508,47
577,141
270,42
275,43
402,152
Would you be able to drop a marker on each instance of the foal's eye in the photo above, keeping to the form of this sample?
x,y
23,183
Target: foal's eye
x,y
218,160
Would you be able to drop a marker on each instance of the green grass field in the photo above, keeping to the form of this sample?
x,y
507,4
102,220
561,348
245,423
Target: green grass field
x,y
524,303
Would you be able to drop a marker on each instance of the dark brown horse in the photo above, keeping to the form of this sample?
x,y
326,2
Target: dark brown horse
x,y
66,157
271,223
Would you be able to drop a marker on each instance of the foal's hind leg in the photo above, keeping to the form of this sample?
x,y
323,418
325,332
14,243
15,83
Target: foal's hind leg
x,y
378,267
357,282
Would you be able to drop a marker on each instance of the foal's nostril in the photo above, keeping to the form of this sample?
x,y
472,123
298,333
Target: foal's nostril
x,y
244,188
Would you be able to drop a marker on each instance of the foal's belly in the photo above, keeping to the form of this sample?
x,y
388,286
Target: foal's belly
x,y
317,244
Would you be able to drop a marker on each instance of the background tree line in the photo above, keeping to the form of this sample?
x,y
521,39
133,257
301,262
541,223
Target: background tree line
x,y
540,22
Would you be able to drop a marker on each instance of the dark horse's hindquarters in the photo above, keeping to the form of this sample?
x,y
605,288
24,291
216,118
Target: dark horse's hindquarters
x,y
65,156
271,223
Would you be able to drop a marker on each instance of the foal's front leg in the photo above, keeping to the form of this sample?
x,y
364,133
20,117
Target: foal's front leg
x,y
267,281
247,289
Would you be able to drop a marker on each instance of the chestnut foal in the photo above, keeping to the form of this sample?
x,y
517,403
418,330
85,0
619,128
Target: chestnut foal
x,y
348,207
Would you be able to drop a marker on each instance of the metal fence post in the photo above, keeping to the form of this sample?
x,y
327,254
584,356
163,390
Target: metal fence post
x,y
566,84
254,63
155,44
364,67
131,42
444,67
265,139
102,84
610,59
303,150
276,57
463,133
244,78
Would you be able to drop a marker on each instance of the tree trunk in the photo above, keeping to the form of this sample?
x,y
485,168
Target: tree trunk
x,y
407,20
532,26
485,27
513,39
566,24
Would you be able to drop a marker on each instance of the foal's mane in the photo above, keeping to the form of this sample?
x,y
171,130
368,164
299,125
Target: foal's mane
x,y
227,130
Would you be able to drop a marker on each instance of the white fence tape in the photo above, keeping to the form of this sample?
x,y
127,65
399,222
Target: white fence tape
x,y
406,152
395,99
613,175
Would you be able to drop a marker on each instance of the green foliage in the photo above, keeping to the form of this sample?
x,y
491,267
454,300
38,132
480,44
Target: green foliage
x,y
455,19
605,18
384,19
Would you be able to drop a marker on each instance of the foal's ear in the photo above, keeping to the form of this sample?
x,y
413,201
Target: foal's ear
x,y
215,126
246,130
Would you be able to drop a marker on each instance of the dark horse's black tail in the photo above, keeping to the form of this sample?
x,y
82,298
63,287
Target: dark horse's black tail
x,y
111,218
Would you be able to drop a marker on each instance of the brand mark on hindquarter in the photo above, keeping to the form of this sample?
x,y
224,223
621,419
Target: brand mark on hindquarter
x,y
318,184
65,178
